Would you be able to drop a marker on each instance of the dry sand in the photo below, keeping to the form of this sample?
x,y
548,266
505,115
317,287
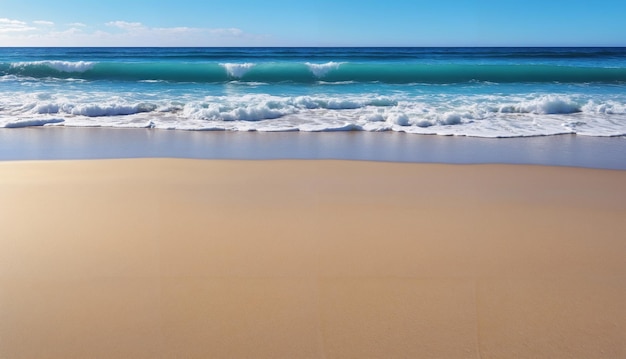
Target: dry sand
x,y
163,258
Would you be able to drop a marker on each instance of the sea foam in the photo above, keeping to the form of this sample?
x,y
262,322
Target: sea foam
x,y
237,109
32,122
92,109
543,105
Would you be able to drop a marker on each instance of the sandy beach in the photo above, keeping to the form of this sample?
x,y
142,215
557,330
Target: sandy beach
x,y
173,258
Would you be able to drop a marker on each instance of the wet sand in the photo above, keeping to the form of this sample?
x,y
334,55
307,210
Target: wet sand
x,y
59,143
170,258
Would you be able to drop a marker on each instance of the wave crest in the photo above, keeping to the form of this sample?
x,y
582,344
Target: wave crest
x,y
61,66
320,70
237,70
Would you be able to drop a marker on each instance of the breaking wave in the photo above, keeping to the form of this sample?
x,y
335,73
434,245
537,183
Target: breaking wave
x,y
307,72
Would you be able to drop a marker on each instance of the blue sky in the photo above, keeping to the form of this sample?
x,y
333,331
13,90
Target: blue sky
x,y
313,23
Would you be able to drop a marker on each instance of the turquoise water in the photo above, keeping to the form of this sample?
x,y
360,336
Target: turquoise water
x,y
482,92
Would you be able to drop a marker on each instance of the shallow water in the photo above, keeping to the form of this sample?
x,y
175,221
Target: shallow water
x,y
90,143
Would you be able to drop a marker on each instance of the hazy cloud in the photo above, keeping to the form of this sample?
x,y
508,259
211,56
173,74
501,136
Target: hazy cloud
x,y
8,25
226,32
168,36
43,22
125,25
135,26
119,33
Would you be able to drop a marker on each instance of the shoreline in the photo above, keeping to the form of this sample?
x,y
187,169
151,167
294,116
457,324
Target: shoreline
x,y
292,259
95,143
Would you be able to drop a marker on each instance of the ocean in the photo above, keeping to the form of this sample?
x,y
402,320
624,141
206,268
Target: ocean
x,y
475,92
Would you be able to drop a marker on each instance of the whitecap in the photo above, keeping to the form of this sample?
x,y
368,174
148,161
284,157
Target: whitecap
x,y
320,70
62,66
237,70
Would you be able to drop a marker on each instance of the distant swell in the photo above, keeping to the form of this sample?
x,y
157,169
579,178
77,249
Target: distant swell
x,y
330,72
